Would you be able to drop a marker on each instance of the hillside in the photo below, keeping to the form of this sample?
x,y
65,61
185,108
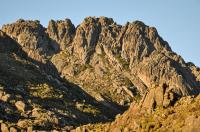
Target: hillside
x,y
62,76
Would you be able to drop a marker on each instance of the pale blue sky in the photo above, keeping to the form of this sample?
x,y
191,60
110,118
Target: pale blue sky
x,y
177,21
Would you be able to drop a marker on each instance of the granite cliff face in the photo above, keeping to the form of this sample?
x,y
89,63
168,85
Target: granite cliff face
x,y
116,65
62,32
135,52
32,38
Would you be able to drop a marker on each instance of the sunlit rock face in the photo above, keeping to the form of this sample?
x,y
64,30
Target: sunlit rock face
x,y
134,50
62,32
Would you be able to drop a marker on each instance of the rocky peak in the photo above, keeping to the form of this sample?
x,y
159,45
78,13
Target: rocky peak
x,y
137,51
86,37
105,21
32,37
140,40
62,32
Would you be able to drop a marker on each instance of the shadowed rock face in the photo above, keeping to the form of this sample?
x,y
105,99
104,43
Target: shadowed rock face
x,y
117,65
6,43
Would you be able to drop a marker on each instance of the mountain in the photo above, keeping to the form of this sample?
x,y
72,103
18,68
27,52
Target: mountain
x,y
29,97
62,76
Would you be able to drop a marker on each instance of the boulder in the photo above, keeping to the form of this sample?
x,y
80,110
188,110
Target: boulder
x,y
4,97
29,129
4,127
24,123
20,106
13,129
192,124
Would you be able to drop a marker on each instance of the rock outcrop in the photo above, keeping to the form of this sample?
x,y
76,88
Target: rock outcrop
x,y
62,32
183,116
32,37
85,40
136,52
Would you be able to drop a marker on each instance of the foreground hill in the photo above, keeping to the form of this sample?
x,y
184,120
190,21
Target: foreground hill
x,y
31,98
89,73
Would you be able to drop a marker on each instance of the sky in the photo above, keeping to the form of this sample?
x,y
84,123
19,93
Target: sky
x,y
177,21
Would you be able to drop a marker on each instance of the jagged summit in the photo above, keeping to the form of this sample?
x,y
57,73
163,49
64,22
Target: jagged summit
x,y
117,65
